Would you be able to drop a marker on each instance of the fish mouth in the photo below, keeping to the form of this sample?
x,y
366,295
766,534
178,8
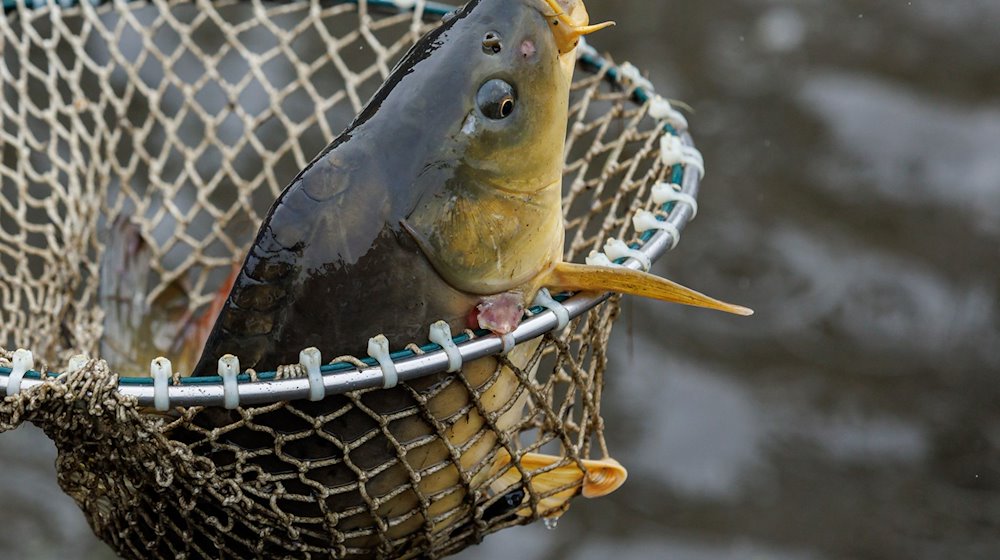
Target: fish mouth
x,y
569,21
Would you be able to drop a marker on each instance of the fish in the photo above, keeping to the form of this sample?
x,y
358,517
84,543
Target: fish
x,y
139,327
442,200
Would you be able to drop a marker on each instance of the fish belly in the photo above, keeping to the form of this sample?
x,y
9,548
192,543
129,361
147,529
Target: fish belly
x,y
412,454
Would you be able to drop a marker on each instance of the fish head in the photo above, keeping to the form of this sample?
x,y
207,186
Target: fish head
x,y
521,61
492,221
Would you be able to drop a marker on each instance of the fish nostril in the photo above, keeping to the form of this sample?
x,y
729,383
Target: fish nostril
x,y
492,43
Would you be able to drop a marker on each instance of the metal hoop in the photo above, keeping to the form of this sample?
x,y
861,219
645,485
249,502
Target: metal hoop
x,y
345,377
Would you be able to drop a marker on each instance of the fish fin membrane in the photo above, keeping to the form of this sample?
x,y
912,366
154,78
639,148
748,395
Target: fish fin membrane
x,y
555,485
590,278
199,327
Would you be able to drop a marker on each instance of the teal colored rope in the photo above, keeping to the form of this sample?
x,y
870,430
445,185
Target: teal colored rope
x,y
640,96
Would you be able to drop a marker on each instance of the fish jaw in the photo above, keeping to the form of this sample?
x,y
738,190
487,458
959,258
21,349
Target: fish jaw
x,y
485,241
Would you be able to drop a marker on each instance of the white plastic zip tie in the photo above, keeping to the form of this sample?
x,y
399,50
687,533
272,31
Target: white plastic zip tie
x,y
440,334
229,368
661,110
22,362
583,48
632,75
671,192
508,343
544,299
311,359
673,151
596,258
161,371
76,362
644,220
616,249
378,348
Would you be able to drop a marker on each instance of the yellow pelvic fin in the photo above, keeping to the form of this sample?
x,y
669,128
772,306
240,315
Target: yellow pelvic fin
x,y
579,277
555,485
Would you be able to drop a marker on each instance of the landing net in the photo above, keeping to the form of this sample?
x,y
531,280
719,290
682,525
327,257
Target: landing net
x,y
162,131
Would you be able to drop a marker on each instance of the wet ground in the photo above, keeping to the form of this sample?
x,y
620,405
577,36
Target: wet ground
x,y
853,200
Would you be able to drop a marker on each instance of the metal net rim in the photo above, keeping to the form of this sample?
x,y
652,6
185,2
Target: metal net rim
x,y
344,377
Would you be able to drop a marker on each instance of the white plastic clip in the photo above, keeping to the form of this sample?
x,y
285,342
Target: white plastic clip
x,y
596,258
508,343
616,249
229,368
378,348
583,48
671,192
673,151
311,359
161,371
441,335
544,299
661,110
77,362
631,75
23,361
645,220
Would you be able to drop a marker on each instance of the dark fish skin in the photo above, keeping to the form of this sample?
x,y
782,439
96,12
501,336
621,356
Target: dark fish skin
x,y
332,266
331,259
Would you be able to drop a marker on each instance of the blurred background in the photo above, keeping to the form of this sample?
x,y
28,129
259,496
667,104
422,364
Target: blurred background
x,y
853,200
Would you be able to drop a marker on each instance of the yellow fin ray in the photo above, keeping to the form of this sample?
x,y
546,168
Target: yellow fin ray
x,y
556,485
579,277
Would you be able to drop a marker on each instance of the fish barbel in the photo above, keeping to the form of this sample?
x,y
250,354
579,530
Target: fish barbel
x,y
441,201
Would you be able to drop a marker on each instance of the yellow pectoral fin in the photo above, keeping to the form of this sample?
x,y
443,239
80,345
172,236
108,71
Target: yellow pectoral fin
x,y
557,485
579,277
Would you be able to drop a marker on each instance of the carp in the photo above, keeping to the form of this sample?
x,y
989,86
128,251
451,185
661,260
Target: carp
x,y
440,201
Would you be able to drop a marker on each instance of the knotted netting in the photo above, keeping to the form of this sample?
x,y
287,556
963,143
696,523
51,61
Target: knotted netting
x,y
141,143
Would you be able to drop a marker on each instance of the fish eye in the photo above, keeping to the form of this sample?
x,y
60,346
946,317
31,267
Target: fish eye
x,y
496,99
492,43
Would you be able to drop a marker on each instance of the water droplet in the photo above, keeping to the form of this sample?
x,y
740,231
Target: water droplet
x,y
551,522
470,125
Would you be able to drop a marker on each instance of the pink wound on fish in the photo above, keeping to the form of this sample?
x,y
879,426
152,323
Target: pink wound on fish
x,y
502,313
528,48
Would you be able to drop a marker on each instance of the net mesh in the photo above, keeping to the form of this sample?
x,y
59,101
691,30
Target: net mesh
x,y
181,122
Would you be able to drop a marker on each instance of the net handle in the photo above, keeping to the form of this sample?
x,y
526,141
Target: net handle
x,y
344,377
